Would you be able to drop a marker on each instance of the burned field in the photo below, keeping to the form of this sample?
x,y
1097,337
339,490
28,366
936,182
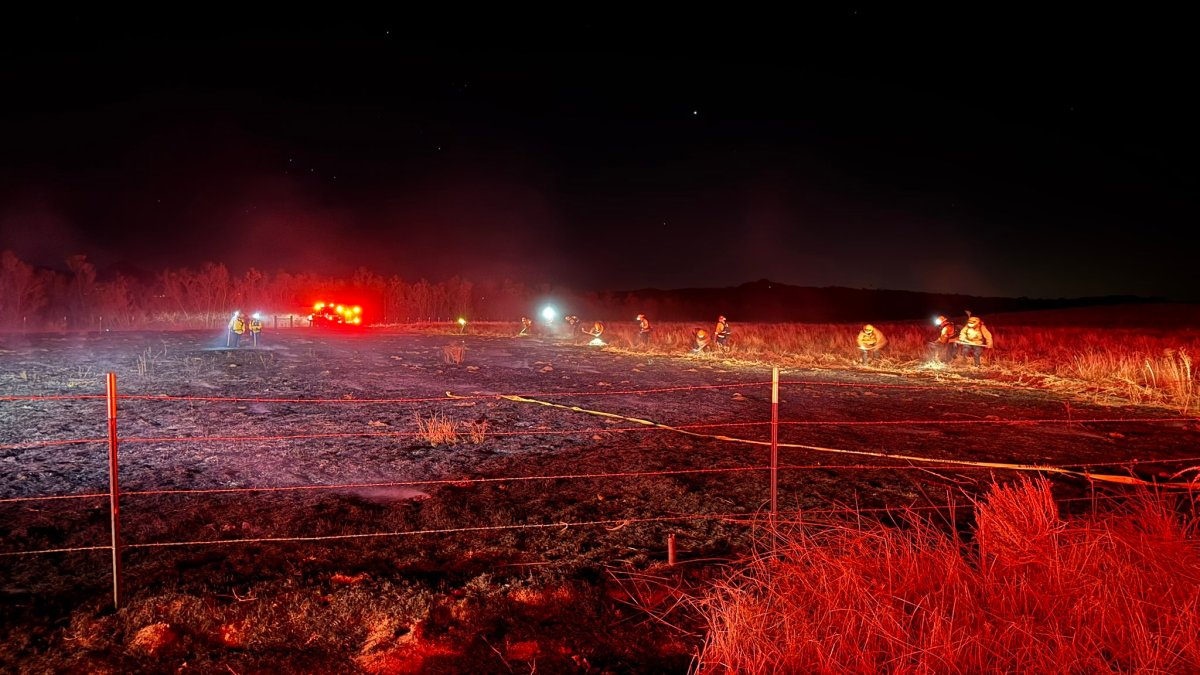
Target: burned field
x,y
386,504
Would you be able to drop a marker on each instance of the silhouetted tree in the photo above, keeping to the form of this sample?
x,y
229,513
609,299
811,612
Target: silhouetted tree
x,y
22,291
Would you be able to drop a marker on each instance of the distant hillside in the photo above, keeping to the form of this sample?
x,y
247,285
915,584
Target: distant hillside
x,y
769,301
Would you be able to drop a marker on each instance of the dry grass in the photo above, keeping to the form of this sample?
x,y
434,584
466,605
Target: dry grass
x,y
1106,592
454,353
1137,366
476,431
147,362
438,429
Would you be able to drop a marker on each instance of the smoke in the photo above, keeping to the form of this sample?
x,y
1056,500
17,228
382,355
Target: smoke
x,y
38,232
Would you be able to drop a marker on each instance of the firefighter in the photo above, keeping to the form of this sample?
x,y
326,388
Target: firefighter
x,y
526,324
571,320
870,341
643,330
699,341
237,327
596,331
721,333
256,326
974,338
944,345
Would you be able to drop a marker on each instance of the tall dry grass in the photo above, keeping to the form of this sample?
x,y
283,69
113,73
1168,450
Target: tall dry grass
x,y
437,429
1038,593
1138,366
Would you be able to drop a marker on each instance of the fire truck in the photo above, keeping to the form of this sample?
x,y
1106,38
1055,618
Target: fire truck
x,y
335,315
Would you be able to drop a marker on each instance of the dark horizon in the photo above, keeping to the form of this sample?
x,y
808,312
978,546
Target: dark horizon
x,y
990,155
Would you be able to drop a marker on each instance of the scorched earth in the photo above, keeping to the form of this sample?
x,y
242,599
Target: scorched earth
x,y
388,501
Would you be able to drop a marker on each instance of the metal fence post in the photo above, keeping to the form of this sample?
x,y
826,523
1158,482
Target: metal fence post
x,y
114,491
774,445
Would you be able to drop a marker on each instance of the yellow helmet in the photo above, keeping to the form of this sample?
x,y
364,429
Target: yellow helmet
x,y
974,321
868,328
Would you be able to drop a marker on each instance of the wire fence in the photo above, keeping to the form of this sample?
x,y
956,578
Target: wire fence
x,y
891,462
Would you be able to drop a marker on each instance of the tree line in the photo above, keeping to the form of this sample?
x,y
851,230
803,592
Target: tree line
x,y
38,298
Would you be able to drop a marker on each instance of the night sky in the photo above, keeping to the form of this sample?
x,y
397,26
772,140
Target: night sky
x,y
1021,154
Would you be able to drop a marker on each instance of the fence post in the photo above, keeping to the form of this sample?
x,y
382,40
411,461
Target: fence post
x,y
671,549
774,446
114,492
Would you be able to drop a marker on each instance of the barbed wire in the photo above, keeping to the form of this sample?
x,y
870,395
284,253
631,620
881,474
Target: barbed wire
x,y
447,397
47,498
985,421
598,430
880,385
446,530
49,397
465,481
56,550
461,482
733,518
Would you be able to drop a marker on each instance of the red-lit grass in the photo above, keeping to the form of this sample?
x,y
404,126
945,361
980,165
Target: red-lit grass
x,y
438,429
1152,367
1137,366
1038,592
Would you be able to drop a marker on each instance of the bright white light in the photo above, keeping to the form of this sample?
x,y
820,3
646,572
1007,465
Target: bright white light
x,y
548,313
256,315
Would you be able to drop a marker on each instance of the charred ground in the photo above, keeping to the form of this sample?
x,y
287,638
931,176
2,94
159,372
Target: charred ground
x,y
498,579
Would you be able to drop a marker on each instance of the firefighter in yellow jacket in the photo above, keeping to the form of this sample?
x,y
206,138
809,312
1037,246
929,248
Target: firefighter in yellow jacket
x,y
255,326
699,340
870,341
721,332
974,338
237,328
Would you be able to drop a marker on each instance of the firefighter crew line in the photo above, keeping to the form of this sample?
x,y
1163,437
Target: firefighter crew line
x,y
944,347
